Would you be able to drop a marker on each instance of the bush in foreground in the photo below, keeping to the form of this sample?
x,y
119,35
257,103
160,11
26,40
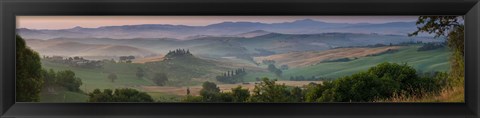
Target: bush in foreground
x,y
119,95
380,82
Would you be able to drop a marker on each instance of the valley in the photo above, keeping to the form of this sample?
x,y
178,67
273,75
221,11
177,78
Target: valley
x,y
174,63
191,71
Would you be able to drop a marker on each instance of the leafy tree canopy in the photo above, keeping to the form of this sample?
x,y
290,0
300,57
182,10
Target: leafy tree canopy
x,y
119,95
28,72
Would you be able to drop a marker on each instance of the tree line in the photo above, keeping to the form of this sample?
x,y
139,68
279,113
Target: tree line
x,y
272,68
178,53
126,59
75,61
231,77
65,79
119,95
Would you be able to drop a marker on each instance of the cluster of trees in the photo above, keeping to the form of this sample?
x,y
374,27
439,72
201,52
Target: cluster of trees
x,y
313,78
232,77
346,59
75,61
177,53
211,93
119,95
431,46
126,59
29,80
112,77
266,91
66,79
268,62
380,82
272,68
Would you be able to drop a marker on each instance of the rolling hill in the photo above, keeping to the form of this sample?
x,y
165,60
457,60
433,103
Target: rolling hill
x,y
69,49
302,59
422,61
271,42
253,34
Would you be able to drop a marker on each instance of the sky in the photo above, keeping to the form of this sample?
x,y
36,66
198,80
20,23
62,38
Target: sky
x,y
67,22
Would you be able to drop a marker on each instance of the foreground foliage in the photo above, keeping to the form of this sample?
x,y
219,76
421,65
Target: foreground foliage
x,y
119,95
453,28
29,80
383,81
65,79
379,82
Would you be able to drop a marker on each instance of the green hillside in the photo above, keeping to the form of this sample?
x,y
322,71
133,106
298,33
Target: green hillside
x,y
185,71
423,61
180,72
63,96
97,78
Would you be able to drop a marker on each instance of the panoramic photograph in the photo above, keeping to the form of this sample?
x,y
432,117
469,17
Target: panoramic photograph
x,y
240,59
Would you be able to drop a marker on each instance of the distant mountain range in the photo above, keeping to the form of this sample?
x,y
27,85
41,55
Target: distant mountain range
x,y
233,29
256,43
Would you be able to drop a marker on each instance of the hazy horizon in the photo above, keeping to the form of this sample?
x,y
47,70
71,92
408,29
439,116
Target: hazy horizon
x,y
67,22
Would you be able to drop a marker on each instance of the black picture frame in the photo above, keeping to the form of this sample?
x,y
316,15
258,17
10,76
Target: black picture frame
x,y
11,8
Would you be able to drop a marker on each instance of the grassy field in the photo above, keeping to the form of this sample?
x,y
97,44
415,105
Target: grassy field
x,y
181,72
186,71
62,96
455,94
307,58
424,61
97,78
